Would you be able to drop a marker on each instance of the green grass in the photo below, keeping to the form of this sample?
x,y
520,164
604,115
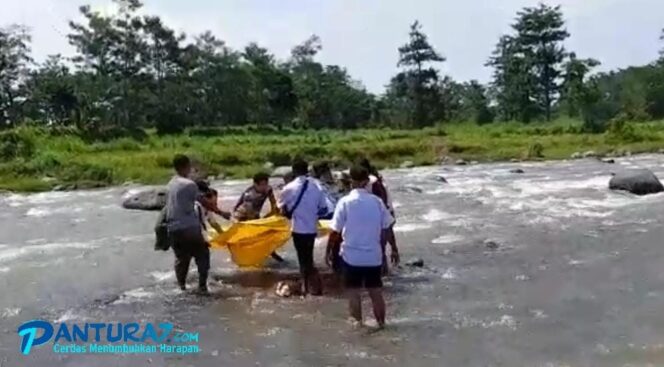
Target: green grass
x,y
34,160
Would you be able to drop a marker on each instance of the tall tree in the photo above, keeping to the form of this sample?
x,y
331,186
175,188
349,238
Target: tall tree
x,y
513,85
574,87
52,93
415,57
14,60
540,31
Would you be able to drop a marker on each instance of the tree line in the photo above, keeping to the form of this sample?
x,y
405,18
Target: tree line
x,y
131,72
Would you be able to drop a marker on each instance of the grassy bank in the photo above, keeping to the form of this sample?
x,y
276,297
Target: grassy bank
x,y
38,160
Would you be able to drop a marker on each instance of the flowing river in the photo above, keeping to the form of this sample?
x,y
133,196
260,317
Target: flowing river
x,y
577,278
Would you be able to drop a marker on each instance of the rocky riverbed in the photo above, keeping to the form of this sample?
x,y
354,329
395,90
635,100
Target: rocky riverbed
x,y
523,264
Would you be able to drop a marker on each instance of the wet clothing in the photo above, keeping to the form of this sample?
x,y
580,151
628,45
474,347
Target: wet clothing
x,y
182,194
361,218
205,217
188,243
357,277
305,217
184,230
250,204
377,186
304,247
332,196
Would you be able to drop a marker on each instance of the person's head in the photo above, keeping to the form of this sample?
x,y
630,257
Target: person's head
x,y
203,186
300,167
182,165
210,198
359,176
262,182
322,170
288,177
364,162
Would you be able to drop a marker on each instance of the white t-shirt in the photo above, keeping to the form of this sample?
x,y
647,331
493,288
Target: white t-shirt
x,y
305,216
361,217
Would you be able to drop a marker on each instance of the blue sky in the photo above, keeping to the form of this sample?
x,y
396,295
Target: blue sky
x,y
363,35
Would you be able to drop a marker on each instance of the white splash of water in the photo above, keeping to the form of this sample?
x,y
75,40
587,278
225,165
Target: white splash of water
x,y
162,276
447,239
10,312
49,248
435,215
68,316
411,227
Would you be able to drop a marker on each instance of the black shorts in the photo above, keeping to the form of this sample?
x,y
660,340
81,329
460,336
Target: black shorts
x,y
356,277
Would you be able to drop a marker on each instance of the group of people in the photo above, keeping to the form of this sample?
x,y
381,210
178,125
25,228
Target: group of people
x,y
357,204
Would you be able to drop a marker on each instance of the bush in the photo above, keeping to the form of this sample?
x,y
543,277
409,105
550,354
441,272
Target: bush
x,y
86,172
623,131
535,150
16,144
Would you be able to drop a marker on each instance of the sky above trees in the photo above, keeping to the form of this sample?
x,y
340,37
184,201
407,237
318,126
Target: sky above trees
x,y
364,35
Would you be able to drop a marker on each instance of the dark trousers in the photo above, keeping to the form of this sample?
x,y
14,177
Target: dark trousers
x,y
188,243
304,246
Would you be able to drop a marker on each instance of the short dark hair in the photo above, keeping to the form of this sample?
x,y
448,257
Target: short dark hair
x,y
203,186
211,193
181,161
320,168
359,173
260,177
364,162
300,167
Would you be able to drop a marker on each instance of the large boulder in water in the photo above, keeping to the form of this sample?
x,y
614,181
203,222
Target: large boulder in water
x,y
639,182
151,199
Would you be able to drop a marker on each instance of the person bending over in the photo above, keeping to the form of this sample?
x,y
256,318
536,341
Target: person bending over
x,y
252,200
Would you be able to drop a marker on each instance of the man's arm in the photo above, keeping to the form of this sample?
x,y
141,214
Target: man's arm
x,y
284,197
274,208
191,195
387,235
334,241
239,202
333,246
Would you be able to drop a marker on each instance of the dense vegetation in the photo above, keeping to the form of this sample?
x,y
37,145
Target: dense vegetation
x,y
136,91
131,71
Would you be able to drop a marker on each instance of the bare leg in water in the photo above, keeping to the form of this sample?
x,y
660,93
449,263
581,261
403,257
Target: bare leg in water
x,y
378,303
355,304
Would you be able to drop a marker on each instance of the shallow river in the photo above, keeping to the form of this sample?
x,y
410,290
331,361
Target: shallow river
x,y
577,279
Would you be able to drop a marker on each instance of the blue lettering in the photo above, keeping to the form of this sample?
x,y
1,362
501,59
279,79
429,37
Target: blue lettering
x,y
28,332
130,330
80,334
166,327
97,327
63,332
109,333
150,332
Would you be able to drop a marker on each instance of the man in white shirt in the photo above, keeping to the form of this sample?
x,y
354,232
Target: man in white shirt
x,y
301,200
359,229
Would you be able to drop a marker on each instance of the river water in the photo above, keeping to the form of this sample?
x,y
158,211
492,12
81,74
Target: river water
x,y
577,279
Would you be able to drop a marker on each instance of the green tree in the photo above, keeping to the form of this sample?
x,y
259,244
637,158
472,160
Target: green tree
x,y
52,93
14,61
513,86
274,94
476,102
421,79
540,32
574,87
